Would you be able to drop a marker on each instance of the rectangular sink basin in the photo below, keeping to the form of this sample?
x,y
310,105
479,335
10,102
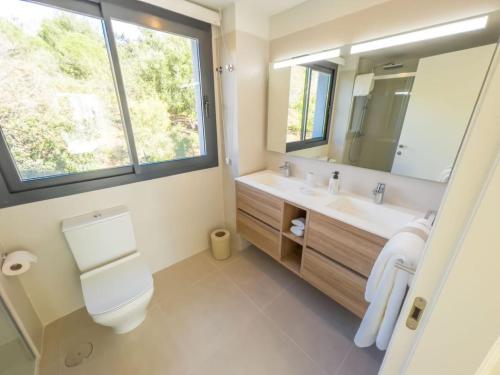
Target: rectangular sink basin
x,y
277,182
383,215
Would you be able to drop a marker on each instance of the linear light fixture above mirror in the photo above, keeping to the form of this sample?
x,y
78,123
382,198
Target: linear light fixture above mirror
x,y
324,55
425,34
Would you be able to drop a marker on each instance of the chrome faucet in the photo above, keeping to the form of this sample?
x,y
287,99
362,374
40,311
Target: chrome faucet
x,y
285,169
378,193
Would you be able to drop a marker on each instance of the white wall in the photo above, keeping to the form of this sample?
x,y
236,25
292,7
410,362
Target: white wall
x,y
172,218
313,12
244,102
386,18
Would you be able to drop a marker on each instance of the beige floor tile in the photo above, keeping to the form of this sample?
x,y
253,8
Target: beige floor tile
x,y
260,348
183,274
322,328
259,276
362,362
205,316
146,350
49,368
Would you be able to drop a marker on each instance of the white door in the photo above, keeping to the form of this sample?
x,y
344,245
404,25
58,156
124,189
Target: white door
x,y
464,197
465,319
444,93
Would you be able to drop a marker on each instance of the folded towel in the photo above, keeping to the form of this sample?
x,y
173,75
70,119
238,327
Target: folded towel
x,y
386,286
299,222
297,231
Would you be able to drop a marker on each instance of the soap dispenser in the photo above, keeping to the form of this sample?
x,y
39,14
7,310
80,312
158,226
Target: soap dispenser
x,y
334,183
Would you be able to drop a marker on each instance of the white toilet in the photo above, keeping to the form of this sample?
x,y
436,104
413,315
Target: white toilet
x,y
117,285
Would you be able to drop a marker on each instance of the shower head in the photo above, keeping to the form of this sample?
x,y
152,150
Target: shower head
x,y
392,65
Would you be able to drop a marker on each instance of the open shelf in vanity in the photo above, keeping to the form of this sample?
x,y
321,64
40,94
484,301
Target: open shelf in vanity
x,y
291,246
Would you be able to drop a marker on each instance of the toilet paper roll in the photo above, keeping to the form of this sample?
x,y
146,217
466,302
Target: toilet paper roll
x,y
221,248
18,262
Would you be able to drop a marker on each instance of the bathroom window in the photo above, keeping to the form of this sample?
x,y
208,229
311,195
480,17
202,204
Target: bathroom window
x,y
98,95
309,108
162,83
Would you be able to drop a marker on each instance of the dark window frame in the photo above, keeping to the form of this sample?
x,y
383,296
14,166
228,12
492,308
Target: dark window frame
x,y
325,67
14,191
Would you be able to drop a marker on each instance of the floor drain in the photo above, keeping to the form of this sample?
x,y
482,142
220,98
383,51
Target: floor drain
x,y
77,354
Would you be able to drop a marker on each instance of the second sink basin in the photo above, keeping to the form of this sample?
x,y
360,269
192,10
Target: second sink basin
x,y
368,211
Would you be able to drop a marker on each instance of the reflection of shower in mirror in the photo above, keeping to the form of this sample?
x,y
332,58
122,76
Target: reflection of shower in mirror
x,y
377,150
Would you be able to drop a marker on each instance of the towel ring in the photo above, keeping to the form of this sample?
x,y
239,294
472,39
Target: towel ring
x,y
405,268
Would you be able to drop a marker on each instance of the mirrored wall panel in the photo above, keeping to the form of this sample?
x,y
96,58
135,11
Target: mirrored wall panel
x,y
402,109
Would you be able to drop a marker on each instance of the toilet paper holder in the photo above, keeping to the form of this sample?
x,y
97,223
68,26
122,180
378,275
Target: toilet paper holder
x,y
20,263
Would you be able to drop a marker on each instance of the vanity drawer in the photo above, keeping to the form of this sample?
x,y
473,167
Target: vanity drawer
x,y
259,204
347,245
344,286
261,235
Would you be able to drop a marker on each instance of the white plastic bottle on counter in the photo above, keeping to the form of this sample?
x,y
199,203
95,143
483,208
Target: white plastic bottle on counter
x,y
334,183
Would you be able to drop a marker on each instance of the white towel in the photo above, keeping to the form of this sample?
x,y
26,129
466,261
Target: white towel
x,y
388,285
298,231
405,239
299,222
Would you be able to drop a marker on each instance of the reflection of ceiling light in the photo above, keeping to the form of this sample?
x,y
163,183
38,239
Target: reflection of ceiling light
x,y
307,58
425,34
402,93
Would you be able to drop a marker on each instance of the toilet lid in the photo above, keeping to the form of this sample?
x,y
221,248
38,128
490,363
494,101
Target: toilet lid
x,y
115,284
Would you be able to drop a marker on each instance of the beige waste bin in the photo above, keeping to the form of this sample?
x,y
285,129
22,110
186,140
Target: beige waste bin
x,y
220,244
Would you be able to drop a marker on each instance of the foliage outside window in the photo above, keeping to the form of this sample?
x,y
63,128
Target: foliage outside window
x,y
309,106
76,105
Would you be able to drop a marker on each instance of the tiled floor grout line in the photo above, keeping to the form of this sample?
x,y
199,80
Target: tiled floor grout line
x,y
295,343
344,360
261,309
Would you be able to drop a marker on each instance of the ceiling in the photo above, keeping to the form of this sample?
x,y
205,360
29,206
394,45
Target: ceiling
x,y
265,7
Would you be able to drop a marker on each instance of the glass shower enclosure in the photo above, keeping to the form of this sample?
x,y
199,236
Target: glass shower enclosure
x,y
16,358
376,122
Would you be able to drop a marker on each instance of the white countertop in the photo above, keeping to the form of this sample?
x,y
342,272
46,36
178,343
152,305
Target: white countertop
x,y
383,220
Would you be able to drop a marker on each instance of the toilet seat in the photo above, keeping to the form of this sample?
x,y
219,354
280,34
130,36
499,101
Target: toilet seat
x,y
115,284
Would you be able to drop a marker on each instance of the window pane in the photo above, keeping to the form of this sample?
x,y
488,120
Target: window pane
x,y
318,104
59,111
162,83
296,103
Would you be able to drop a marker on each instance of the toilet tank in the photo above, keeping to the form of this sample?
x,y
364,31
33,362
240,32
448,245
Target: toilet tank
x,y
100,237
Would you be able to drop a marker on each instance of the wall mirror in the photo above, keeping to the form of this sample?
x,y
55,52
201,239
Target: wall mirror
x,y
393,104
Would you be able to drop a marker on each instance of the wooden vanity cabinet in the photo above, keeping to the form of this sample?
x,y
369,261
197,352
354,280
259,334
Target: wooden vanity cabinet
x,y
333,256
265,207
343,285
347,245
261,235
